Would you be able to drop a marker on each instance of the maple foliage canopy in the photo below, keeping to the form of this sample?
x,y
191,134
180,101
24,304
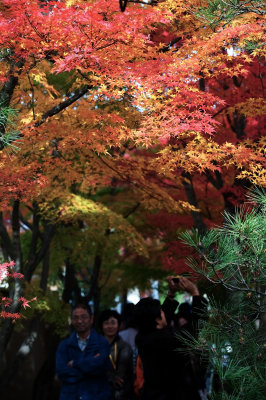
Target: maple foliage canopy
x,y
139,98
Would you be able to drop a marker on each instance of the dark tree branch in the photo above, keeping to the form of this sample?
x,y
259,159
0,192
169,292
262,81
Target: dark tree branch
x,y
216,181
63,105
32,96
95,276
71,288
48,234
191,196
230,123
25,222
17,289
41,35
148,3
94,292
34,235
168,46
133,209
45,270
261,76
6,241
123,4
16,235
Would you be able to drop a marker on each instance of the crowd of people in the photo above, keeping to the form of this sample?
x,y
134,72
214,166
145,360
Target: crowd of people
x,y
145,358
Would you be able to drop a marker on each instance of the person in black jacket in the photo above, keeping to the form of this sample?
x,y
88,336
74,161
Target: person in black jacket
x,y
120,373
168,374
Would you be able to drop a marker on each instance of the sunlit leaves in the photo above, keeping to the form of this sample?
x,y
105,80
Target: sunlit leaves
x,y
98,221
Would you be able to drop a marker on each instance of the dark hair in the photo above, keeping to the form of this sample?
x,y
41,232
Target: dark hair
x,y
146,312
128,316
106,314
184,310
85,307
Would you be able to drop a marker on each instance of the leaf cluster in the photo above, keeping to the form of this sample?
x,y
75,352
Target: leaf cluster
x,y
51,311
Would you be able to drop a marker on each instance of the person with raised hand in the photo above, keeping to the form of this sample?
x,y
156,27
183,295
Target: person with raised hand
x,y
168,374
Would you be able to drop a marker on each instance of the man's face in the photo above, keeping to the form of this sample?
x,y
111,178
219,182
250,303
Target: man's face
x,y
81,321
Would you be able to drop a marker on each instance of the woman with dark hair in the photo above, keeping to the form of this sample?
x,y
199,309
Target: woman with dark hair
x,y
167,373
121,372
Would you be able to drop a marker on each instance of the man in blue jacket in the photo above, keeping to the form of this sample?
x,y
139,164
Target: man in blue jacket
x,y
82,360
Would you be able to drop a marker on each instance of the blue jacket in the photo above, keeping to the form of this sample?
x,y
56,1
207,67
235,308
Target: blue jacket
x,y
87,378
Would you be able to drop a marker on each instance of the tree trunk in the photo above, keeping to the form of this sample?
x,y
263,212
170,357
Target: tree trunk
x,y
13,249
45,271
94,292
191,196
23,352
35,255
71,290
16,289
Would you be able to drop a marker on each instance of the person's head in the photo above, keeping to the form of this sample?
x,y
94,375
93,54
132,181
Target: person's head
x,y
109,323
127,316
82,319
148,315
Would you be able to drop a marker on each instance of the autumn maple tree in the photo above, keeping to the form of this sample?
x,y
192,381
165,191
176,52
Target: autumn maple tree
x,y
127,127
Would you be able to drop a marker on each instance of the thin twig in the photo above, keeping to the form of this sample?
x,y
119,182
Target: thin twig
x,y
32,96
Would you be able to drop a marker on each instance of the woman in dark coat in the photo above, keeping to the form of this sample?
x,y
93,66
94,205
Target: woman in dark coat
x,y
121,356
168,374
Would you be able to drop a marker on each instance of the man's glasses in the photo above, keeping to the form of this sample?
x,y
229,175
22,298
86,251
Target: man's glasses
x,y
80,317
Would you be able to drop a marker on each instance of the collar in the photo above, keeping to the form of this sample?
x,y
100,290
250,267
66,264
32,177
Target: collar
x,y
82,343
79,338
